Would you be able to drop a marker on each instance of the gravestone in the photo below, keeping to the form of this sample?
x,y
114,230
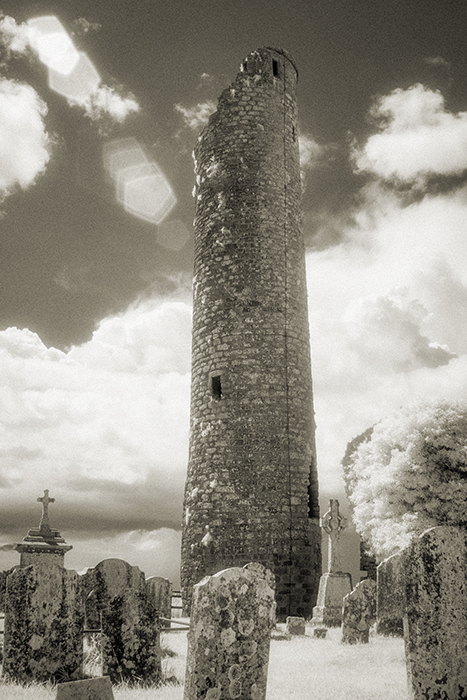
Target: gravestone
x,y
43,544
160,589
435,620
43,624
295,625
359,613
390,594
334,584
116,597
89,689
233,613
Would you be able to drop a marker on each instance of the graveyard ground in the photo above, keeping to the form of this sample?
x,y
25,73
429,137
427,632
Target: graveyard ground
x,y
300,668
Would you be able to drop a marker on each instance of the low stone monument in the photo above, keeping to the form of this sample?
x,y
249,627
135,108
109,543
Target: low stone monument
x,y
335,584
89,689
435,621
117,601
233,613
43,544
295,625
390,594
359,613
43,624
160,590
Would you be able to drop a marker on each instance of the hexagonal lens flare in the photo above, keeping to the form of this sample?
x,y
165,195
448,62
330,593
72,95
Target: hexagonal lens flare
x,y
141,187
77,85
55,48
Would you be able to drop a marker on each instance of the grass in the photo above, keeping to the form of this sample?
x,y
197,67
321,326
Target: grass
x,y
299,667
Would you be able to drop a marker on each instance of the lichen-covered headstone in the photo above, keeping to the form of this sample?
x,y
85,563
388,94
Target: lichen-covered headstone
x,y
161,591
359,613
295,625
116,596
435,620
233,613
43,625
390,594
89,689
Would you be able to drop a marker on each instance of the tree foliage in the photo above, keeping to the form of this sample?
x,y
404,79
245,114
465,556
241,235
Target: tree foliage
x,y
408,473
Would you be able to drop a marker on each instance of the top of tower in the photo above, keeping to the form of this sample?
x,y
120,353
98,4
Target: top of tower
x,y
284,53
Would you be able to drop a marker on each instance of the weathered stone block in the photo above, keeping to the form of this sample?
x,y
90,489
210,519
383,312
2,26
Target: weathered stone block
x,y
116,596
359,613
390,593
333,587
295,625
89,689
160,591
43,624
229,637
435,620
320,632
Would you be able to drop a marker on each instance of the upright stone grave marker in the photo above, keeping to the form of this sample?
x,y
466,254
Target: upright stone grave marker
x,y
88,689
116,596
43,624
359,613
160,589
335,584
233,613
435,620
390,595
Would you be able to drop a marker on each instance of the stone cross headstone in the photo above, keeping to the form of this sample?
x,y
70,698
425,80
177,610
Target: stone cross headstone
x,y
435,620
43,624
45,500
334,584
390,595
116,596
233,613
359,613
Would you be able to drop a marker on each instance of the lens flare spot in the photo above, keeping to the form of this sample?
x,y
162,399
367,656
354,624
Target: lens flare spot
x,y
53,45
79,84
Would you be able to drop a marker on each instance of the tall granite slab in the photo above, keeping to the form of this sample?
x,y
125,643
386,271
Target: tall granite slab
x,y
359,613
435,619
43,624
160,590
117,601
390,596
233,613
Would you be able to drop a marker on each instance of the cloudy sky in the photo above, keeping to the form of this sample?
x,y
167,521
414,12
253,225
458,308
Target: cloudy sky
x,y
95,289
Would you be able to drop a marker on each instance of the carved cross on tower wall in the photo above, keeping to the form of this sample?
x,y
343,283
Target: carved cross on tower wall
x,y
45,500
333,523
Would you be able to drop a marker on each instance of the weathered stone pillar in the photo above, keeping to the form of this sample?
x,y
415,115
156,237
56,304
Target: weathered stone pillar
x,y
359,613
43,624
390,594
435,620
160,592
229,637
116,597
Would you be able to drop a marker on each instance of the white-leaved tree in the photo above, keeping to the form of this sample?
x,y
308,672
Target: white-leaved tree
x,y
408,473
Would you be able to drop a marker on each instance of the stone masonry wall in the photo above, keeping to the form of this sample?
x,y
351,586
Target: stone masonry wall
x,y
251,490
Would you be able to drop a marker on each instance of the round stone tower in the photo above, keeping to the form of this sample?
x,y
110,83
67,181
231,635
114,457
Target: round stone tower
x,y
252,489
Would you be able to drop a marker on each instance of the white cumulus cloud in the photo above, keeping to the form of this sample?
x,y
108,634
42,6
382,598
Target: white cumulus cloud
x,y
417,137
25,145
197,116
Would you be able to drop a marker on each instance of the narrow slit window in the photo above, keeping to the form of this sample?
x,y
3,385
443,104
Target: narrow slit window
x,y
275,68
216,387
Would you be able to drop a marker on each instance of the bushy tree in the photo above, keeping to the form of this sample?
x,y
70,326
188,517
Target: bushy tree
x,y
408,473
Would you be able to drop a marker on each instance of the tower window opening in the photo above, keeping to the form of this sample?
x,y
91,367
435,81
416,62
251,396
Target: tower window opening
x,y
216,387
275,68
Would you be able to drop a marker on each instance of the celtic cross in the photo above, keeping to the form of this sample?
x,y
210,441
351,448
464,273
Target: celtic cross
x,y
333,523
45,500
